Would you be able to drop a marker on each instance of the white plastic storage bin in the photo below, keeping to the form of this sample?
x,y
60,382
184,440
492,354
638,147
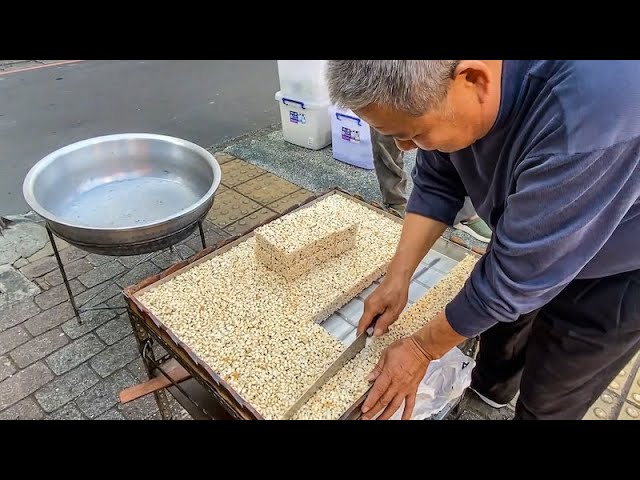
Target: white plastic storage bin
x,y
305,123
350,138
303,79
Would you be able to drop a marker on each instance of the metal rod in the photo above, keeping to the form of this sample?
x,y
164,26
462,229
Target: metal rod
x,y
158,367
91,309
64,275
204,242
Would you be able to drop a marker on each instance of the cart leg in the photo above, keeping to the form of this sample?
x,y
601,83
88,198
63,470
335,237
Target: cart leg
x,y
144,347
202,239
64,275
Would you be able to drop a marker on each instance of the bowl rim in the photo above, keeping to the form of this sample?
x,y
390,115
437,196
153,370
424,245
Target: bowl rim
x,y
32,175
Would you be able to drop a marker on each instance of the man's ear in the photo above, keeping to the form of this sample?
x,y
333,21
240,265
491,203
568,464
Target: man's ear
x,y
474,75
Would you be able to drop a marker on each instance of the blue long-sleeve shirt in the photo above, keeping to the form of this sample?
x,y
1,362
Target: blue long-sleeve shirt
x,y
557,179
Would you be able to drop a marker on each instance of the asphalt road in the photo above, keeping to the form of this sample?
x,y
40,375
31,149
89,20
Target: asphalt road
x,y
204,101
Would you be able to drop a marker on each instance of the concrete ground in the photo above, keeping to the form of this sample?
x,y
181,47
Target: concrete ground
x,y
47,104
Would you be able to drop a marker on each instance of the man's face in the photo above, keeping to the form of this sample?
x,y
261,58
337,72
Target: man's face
x,y
446,129
466,114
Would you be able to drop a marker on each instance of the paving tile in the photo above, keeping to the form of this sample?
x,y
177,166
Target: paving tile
x,y
230,207
71,254
72,270
237,171
13,338
630,367
39,347
101,274
291,200
247,223
25,409
41,282
267,188
629,412
21,262
17,313
115,330
39,267
96,260
6,368
634,391
224,157
132,261
101,397
603,408
49,319
74,354
14,287
47,251
23,384
68,412
140,409
115,357
618,383
212,235
113,414
118,302
98,294
168,258
56,295
139,273
90,321
66,388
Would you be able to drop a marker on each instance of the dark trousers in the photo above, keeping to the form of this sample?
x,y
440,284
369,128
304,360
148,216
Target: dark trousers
x,y
564,355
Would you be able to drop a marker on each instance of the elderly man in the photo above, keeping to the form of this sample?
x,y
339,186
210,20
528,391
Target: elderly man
x,y
549,153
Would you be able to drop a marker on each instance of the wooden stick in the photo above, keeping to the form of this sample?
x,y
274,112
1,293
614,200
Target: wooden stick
x,y
178,374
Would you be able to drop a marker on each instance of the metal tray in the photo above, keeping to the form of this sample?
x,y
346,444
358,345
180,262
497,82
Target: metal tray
x,y
342,324
124,194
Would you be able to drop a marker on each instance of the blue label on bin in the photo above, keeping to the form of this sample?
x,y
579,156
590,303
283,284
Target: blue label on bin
x,y
350,135
295,117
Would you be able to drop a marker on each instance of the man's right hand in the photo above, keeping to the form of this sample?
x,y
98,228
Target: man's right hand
x,y
386,304
387,301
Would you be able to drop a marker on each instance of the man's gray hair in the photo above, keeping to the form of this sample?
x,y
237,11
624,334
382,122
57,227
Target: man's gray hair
x,y
412,86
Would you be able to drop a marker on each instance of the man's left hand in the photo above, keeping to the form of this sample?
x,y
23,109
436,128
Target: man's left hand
x,y
397,375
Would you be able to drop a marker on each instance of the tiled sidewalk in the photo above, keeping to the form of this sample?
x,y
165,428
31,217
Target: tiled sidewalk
x,y
51,367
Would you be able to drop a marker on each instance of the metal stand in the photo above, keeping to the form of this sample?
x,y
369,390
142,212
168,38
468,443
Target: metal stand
x,y
77,311
148,357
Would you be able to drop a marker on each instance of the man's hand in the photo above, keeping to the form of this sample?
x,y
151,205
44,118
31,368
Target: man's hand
x,y
397,375
385,303
403,365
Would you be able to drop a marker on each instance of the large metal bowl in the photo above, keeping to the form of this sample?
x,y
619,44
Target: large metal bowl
x,y
124,194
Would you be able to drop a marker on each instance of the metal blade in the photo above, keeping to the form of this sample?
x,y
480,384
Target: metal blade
x,y
350,353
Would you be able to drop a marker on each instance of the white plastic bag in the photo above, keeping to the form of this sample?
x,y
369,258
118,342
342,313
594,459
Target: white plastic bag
x,y
445,380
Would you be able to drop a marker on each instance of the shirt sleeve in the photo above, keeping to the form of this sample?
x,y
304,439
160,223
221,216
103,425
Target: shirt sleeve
x,y
563,210
438,192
